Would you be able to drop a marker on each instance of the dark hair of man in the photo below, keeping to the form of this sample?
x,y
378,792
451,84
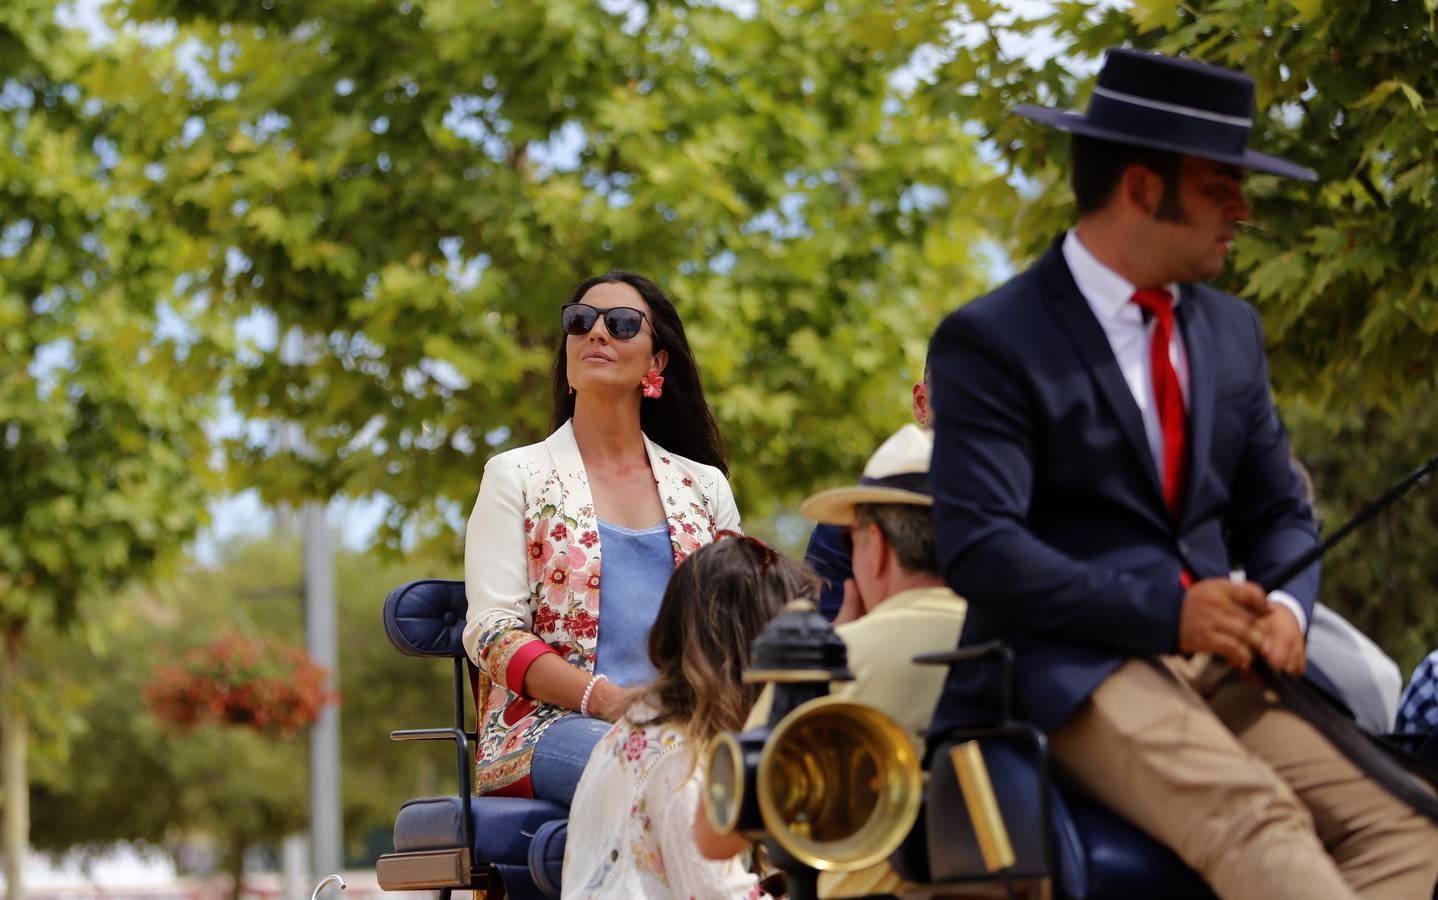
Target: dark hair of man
x,y
717,602
679,420
908,528
1097,165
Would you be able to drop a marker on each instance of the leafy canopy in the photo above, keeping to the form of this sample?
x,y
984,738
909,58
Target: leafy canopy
x,y
101,446
418,186
1344,272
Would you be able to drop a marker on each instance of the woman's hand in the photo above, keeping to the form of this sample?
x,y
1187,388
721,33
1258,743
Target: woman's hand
x,y
608,701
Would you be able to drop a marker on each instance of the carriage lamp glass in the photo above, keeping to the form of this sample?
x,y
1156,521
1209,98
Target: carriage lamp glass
x,y
839,784
724,786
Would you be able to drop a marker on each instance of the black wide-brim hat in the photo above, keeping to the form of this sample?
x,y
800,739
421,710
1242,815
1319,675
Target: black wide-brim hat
x,y
1171,104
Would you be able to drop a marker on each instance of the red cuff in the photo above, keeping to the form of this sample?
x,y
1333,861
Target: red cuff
x,y
524,788
520,662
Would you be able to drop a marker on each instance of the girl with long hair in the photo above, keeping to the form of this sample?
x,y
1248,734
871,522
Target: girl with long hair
x,y
572,540
632,823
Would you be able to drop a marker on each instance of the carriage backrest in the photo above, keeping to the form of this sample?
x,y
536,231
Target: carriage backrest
x,y
426,618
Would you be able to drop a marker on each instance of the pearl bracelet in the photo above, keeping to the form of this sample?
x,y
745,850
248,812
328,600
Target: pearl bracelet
x,y
588,692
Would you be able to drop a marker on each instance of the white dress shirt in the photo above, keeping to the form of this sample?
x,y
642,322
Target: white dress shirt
x,y
1109,297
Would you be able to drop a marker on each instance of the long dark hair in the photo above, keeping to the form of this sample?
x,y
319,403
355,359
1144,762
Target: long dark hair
x,y
717,602
680,420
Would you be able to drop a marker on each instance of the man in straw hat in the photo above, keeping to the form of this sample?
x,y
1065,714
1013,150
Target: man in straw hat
x,y
895,605
1106,452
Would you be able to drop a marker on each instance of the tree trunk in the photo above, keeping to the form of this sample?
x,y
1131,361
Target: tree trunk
x,y
235,865
14,734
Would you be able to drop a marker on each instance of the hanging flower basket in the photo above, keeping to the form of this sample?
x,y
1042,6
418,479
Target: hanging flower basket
x,y
237,680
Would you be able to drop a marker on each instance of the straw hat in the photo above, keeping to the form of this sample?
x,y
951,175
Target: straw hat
x,y
898,472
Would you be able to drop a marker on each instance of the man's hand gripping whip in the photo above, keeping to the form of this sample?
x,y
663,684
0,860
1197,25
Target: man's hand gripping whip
x,y
1381,760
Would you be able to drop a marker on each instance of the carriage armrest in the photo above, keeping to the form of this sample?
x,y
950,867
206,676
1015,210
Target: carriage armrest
x,y
431,734
461,740
967,654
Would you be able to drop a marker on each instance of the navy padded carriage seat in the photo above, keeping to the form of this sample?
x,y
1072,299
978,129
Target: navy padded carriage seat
x,y
1087,852
426,618
1058,835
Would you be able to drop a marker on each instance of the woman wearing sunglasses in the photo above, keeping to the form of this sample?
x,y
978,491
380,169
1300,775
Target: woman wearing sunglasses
x,y
630,482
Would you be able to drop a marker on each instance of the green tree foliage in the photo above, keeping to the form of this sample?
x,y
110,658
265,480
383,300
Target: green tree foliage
x,y
99,436
1344,272
1384,576
418,186
116,773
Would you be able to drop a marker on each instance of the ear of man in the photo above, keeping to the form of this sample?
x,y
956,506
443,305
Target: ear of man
x,y
1141,189
883,555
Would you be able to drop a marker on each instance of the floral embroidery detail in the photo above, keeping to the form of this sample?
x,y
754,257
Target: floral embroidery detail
x,y
556,580
588,588
512,741
647,856
588,539
545,618
634,747
687,482
581,623
501,650
690,528
665,460
540,550
685,542
559,532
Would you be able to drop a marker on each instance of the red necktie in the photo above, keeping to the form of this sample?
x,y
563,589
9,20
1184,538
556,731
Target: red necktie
x,y
1167,397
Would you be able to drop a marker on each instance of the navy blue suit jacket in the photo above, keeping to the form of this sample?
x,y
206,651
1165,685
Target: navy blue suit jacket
x,y
1049,514
826,556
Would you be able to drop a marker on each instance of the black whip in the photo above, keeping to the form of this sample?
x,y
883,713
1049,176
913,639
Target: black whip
x,y
1362,517
1381,760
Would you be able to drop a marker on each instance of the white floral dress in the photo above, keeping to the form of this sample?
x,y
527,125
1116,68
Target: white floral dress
x,y
631,826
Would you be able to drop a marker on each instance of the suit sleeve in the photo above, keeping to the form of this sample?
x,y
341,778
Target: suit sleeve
x,y
726,511
825,555
986,413
497,630
1270,521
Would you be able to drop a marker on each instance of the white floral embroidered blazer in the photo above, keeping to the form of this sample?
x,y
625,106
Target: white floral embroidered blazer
x,y
532,574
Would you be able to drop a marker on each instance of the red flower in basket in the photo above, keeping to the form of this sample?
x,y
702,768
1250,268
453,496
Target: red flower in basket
x,y
245,681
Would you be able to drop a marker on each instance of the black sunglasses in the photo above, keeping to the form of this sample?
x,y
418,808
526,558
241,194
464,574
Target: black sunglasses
x,y
622,322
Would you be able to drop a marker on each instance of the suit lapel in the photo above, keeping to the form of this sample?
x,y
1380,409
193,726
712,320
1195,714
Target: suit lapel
x,y
1078,322
675,495
576,502
1197,342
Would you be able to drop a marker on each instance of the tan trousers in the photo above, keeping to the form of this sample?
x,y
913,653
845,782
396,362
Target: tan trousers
x,y
1245,792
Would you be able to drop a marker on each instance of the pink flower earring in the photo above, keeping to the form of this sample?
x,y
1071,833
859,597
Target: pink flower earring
x,y
653,384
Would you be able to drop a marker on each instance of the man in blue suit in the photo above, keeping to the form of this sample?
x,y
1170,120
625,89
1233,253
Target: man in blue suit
x,y
1106,452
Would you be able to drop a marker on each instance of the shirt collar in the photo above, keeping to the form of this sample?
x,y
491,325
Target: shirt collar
x,y
1107,292
916,597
